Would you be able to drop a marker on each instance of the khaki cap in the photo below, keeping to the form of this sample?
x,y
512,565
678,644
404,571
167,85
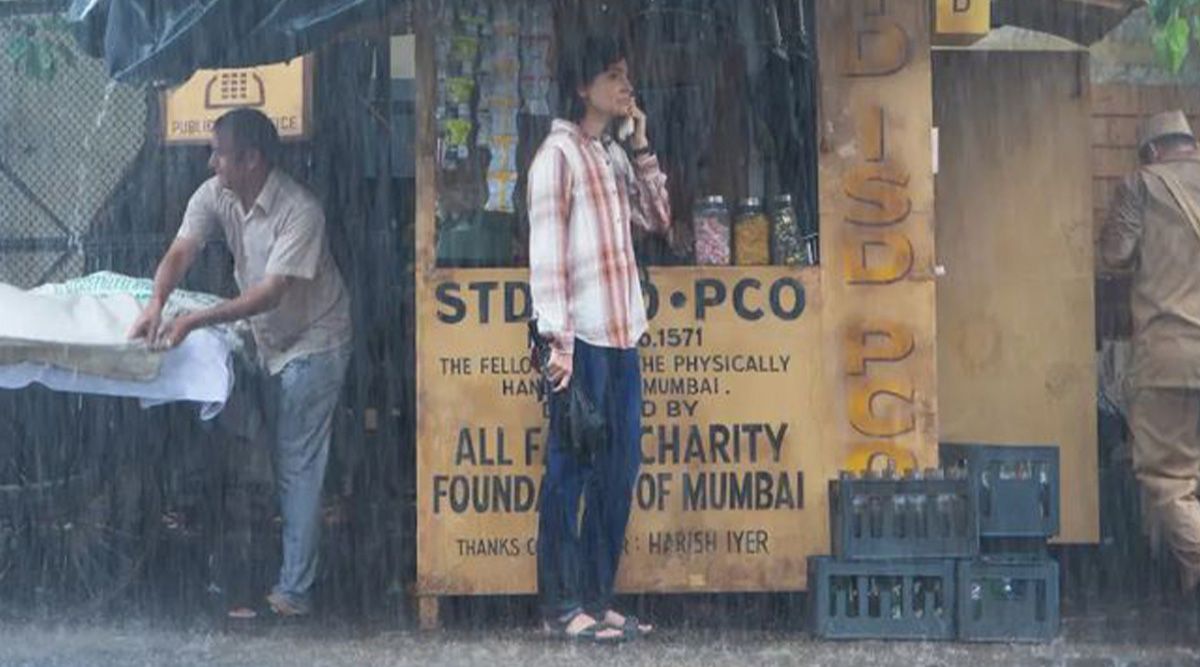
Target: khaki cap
x,y
1165,124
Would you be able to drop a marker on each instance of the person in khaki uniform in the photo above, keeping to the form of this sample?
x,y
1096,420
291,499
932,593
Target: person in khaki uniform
x,y
1154,229
298,308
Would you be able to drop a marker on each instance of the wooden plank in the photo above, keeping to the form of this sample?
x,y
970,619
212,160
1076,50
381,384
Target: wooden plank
x,y
1121,132
1102,193
1137,100
878,257
1113,162
429,613
1116,99
1014,229
1100,130
1164,98
1117,110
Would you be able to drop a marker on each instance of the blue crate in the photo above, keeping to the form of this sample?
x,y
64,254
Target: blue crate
x,y
881,599
1017,486
1008,600
884,518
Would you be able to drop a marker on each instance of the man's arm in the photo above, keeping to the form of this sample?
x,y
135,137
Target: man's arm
x,y
199,225
261,298
171,270
1122,234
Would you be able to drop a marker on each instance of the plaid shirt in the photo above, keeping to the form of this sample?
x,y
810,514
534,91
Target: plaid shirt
x,y
584,195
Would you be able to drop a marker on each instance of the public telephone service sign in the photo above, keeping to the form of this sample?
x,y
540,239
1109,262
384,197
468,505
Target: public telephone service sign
x,y
283,91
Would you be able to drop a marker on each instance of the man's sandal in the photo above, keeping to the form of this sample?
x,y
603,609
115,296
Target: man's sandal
x,y
281,607
242,613
597,632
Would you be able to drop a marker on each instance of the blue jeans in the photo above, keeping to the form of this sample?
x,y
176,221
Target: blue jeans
x,y
578,557
305,394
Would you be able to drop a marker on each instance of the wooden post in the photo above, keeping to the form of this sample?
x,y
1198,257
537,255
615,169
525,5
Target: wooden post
x,y
429,610
877,243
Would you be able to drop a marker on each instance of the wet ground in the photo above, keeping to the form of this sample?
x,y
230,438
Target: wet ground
x,y
1114,616
1101,639
131,644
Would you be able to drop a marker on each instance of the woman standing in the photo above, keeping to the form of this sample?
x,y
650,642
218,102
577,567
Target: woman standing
x,y
585,194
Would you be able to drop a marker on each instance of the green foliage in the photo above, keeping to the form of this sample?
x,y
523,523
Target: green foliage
x,y
40,48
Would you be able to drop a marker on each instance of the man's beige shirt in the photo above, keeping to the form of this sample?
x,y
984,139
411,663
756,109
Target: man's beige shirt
x,y
1148,231
283,234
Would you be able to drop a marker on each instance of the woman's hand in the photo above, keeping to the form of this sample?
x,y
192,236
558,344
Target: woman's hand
x,y
560,368
638,141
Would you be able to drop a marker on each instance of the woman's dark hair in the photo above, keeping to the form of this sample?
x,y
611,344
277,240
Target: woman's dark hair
x,y
250,129
579,65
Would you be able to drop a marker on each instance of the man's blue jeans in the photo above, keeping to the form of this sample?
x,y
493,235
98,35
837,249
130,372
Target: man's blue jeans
x,y
578,557
305,394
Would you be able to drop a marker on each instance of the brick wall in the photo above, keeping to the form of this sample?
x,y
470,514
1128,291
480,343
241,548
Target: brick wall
x,y
1116,112
1117,109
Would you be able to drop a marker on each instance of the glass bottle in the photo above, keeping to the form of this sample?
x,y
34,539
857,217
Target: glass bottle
x,y
752,235
788,248
711,224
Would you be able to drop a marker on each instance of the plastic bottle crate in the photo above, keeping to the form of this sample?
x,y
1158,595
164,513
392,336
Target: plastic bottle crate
x,y
1014,548
1017,487
1008,600
878,518
881,599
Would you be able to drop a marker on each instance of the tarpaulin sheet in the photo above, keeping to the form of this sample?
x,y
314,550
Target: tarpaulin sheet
x,y
200,371
166,40
74,337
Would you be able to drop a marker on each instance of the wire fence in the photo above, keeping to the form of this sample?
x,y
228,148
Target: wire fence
x,y
68,137
86,184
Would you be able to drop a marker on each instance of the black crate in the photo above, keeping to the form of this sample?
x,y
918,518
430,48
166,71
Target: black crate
x,y
1008,600
883,518
1014,548
881,599
1017,487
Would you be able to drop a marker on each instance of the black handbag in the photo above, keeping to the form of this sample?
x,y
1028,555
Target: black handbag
x,y
581,428
588,430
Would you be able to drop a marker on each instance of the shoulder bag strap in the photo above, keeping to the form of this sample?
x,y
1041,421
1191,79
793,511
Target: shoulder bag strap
x,y
1182,197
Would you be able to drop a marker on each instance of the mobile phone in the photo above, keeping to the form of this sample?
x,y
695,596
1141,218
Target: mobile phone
x,y
625,130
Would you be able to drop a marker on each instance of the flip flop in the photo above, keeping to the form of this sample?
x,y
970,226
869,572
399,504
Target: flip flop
x,y
589,633
633,628
281,607
242,614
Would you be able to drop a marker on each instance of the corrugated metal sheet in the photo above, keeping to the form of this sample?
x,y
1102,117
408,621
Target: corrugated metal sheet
x,y
1081,21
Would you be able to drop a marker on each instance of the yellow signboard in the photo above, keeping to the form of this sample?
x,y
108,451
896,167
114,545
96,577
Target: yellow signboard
x,y
877,236
759,383
963,18
730,495
283,91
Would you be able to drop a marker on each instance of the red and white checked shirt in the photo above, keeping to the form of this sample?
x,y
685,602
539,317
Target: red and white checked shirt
x,y
584,197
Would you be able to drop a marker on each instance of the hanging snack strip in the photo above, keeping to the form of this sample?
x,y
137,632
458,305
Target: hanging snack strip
x,y
457,46
537,80
499,101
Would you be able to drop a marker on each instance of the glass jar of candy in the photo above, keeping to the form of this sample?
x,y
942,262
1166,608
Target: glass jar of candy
x,y
711,225
752,235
